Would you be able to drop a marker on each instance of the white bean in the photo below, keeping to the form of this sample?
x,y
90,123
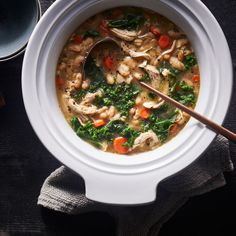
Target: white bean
x,y
85,84
138,101
110,78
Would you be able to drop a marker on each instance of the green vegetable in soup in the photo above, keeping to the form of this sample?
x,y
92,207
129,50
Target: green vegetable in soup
x,y
190,61
145,78
106,133
160,121
152,95
94,73
183,93
122,96
106,121
166,65
87,132
77,95
131,22
91,33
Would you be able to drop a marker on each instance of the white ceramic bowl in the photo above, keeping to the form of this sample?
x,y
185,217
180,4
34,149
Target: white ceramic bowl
x,y
112,178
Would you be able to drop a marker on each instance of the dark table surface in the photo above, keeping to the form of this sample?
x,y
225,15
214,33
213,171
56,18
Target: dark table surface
x,y
25,163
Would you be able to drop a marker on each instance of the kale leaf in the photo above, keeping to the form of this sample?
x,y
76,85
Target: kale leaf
x,y
145,78
86,132
91,33
190,61
77,95
159,125
130,22
122,96
95,73
166,65
106,133
183,93
160,121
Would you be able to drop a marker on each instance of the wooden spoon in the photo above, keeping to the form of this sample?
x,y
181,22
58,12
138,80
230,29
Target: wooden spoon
x,y
209,123
107,39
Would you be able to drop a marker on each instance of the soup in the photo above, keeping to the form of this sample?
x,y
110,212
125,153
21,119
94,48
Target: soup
x,y
108,107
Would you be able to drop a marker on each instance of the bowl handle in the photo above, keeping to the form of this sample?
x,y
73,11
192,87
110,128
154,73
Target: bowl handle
x,y
121,189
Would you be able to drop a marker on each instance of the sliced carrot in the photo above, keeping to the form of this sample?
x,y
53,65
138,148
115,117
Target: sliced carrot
x,y
99,123
174,129
144,113
118,145
108,62
156,31
196,78
60,82
78,39
104,25
164,41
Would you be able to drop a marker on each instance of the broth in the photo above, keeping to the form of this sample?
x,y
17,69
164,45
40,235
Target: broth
x,y
108,108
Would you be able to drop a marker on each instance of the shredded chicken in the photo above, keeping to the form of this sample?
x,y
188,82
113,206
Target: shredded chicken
x,y
147,35
148,138
82,119
82,108
123,69
85,107
172,48
124,34
151,68
135,54
153,105
83,47
181,118
176,63
89,97
181,42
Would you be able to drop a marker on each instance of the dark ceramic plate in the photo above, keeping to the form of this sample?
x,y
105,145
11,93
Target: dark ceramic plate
x,y
17,21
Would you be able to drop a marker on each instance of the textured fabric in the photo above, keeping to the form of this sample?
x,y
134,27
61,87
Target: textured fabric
x,y
64,190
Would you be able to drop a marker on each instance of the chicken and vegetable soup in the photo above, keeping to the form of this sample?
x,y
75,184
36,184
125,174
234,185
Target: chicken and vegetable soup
x,y
106,106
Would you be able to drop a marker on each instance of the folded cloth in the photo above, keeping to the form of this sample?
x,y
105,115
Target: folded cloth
x,y
64,190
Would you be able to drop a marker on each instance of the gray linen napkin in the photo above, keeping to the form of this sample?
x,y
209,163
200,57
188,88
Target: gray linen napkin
x,y
63,191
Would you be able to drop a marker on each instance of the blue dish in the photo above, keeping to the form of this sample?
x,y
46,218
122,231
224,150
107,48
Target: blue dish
x,y
17,21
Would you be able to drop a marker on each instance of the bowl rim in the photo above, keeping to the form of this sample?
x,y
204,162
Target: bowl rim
x,y
87,168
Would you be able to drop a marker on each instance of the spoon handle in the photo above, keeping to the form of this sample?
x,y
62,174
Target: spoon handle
x,y
209,123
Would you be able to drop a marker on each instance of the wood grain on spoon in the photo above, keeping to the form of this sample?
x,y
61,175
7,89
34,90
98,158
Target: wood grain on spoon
x,y
209,123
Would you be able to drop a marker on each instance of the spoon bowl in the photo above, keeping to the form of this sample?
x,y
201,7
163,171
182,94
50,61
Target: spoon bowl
x,y
106,40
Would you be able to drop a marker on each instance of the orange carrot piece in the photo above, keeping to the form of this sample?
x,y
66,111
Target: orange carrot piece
x,y
164,41
156,31
108,62
78,39
60,82
177,88
144,113
118,145
174,129
99,123
104,25
196,78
